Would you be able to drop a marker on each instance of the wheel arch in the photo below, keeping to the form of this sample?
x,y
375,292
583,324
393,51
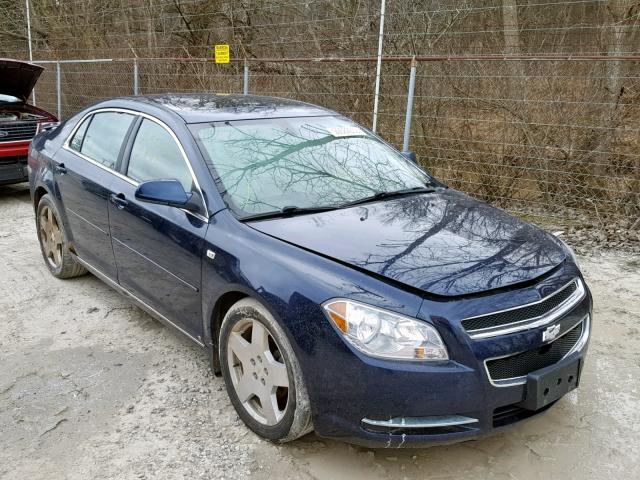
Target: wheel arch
x,y
220,309
39,192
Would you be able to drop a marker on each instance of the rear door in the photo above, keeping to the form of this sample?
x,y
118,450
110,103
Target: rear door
x,y
84,170
158,249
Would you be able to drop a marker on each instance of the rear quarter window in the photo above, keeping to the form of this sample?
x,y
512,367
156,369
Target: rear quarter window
x,y
78,136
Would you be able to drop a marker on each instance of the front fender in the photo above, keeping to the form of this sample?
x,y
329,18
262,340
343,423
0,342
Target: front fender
x,y
289,281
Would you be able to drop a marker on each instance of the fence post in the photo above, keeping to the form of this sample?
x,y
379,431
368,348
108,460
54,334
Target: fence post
x,y
136,85
33,92
409,113
59,90
246,78
376,95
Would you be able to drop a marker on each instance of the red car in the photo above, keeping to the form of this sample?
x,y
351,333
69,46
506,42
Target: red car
x,y
19,121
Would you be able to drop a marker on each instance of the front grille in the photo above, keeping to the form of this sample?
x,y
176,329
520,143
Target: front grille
x,y
16,131
524,363
526,312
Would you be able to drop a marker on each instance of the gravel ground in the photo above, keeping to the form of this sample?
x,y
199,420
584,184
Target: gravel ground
x,y
92,387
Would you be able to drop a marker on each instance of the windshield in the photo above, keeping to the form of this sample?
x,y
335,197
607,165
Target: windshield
x,y
266,165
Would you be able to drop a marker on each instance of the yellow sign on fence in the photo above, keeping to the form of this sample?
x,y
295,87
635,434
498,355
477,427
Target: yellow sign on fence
x,y
221,53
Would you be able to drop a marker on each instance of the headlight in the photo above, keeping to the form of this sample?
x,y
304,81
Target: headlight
x,y
383,334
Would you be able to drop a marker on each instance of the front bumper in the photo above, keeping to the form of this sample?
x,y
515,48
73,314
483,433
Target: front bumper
x,y
14,149
13,170
486,417
13,162
367,400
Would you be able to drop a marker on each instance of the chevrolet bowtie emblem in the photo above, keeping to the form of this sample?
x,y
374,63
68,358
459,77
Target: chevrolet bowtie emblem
x,y
550,333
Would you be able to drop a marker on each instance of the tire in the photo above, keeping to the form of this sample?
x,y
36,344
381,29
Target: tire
x,y
259,377
53,241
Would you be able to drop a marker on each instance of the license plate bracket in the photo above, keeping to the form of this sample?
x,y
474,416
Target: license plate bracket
x,y
547,385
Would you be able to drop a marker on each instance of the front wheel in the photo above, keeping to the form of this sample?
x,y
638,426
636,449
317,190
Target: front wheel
x,y
262,375
53,241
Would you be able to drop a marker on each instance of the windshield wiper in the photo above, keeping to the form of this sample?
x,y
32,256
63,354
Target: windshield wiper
x,y
287,212
291,211
383,195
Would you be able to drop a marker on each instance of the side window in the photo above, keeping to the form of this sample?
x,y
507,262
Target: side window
x,y
104,137
78,137
155,155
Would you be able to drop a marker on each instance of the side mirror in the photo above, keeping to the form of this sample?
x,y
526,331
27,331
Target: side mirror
x,y
165,192
410,156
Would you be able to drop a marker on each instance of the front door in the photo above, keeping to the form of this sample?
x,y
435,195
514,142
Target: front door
x,y
84,171
158,249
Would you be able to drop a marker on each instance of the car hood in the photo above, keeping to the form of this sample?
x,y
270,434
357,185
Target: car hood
x,y
18,78
445,243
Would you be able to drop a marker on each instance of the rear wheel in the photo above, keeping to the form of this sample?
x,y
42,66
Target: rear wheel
x,y
53,241
262,375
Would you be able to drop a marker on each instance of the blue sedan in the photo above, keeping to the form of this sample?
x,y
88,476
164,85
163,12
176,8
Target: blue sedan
x,y
335,284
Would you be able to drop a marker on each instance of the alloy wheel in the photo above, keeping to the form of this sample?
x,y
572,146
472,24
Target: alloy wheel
x,y
51,237
258,373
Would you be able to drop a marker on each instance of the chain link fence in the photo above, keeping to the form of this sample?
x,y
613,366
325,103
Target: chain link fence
x,y
533,105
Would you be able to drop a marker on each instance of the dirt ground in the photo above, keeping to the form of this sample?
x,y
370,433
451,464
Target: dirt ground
x,y
92,387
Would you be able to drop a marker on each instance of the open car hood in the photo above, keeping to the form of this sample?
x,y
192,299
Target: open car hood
x,y
443,243
18,78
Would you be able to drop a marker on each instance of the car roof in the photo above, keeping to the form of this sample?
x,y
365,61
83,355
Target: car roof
x,y
208,107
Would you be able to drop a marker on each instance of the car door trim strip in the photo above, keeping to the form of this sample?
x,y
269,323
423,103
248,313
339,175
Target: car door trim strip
x,y
85,220
192,287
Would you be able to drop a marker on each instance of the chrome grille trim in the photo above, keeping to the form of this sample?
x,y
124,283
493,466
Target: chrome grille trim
x,y
579,345
422,422
18,131
534,322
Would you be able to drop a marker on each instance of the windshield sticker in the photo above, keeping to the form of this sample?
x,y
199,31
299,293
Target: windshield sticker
x,y
346,132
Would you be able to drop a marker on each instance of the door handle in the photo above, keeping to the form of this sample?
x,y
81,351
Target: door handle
x,y
60,168
118,200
